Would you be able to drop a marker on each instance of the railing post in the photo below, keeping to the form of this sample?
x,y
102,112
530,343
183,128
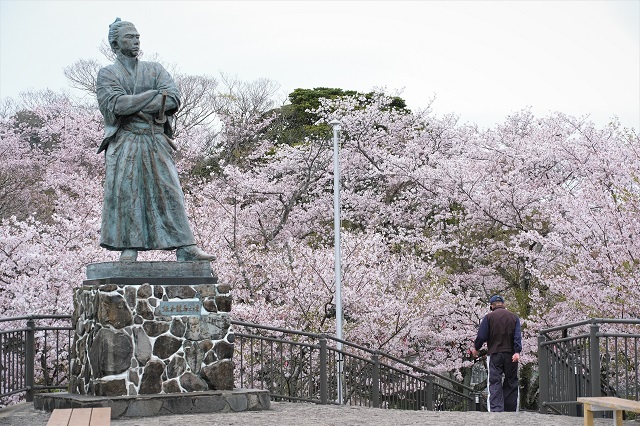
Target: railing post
x,y
375,381
324,398
30,350
430,392
572,392
543,374
594,360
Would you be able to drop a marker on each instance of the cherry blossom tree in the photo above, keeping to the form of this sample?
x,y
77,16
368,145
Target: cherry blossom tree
x,y
436,217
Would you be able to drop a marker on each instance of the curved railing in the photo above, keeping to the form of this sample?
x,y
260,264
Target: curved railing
x,y
292,365
295,365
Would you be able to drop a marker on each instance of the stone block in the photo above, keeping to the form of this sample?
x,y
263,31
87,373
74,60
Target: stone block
x,y
111,388
113,310
219,375
144,407
164,404
143,345
214,326
224,288
180,292
192,383
177,405
96,271
209,304
165,346
223,303
176,367
223,350
237,402
194,356
177,327
110,352
151,382
144,310
211,404
192,331
145,291
155,328
205,290
171,386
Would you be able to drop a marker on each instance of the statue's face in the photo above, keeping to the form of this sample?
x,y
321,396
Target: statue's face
x,y
129,41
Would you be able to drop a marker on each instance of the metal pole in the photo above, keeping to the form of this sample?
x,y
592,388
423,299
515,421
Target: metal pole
x,y
30,360
375,379
543,374
476,396
323,371
336,230
429,379
594,360
572,391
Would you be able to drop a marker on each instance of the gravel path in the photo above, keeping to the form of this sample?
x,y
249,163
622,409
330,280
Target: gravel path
x,y
301,414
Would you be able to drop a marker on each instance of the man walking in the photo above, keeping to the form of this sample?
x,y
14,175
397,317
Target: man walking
x,y
500,329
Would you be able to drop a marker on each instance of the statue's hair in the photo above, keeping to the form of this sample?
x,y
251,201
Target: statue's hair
x,y
114,31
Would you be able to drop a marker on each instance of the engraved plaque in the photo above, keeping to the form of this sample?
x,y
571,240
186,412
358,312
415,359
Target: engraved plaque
x,y
180,307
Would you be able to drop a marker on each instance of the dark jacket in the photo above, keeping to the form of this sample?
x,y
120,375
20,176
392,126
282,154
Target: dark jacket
x,y
501,330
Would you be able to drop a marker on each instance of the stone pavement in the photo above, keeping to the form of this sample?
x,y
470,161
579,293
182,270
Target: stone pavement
x,y
303,414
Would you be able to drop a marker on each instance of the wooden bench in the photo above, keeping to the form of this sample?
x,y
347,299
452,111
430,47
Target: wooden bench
x,y
607,403
80,417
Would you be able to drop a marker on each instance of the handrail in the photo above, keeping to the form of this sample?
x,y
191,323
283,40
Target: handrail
x,y
355,345
591,363
34,317
591,321
405,384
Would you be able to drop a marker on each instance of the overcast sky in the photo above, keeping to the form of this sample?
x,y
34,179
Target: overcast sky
x,y
482,60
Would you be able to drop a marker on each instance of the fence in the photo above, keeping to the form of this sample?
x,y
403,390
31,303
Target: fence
x,y
596,357
298,366
34,355
292,365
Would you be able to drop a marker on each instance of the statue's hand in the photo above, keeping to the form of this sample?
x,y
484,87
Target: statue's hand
x,y
153,107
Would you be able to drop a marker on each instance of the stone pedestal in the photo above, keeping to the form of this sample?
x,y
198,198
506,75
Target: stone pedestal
x,y
205,402
148,328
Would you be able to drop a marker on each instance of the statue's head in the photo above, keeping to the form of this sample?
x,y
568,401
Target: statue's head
x,y
124,38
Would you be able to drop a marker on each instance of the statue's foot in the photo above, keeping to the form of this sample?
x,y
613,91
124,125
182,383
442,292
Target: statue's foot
x,y
192,253
128,255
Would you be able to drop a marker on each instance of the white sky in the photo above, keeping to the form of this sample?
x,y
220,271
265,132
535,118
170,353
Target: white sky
x,y
482,60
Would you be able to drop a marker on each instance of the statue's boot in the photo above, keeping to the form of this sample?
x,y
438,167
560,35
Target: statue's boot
x,y
128,255
193,253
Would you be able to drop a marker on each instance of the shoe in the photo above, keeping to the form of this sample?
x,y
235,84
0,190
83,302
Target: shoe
x,y
128,255
192,253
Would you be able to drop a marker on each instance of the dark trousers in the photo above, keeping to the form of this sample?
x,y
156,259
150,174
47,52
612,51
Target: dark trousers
x,y
503,394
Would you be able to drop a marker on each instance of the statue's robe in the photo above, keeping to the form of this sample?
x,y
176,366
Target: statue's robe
x,y
143,201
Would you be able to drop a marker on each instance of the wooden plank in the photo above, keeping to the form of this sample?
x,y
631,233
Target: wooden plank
x,y
617,418
101,416
80,417
60,417
610,403
588,415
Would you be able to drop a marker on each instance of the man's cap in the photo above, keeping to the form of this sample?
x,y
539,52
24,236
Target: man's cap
x,y
496,298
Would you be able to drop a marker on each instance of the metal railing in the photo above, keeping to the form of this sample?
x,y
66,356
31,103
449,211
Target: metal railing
x,y
595,357
291,365
34,355
299,366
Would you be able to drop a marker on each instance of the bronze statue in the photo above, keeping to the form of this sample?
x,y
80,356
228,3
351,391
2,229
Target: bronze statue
x,y
143,200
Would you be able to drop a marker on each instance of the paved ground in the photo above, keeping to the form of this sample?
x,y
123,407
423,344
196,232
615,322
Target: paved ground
x,y
302,414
